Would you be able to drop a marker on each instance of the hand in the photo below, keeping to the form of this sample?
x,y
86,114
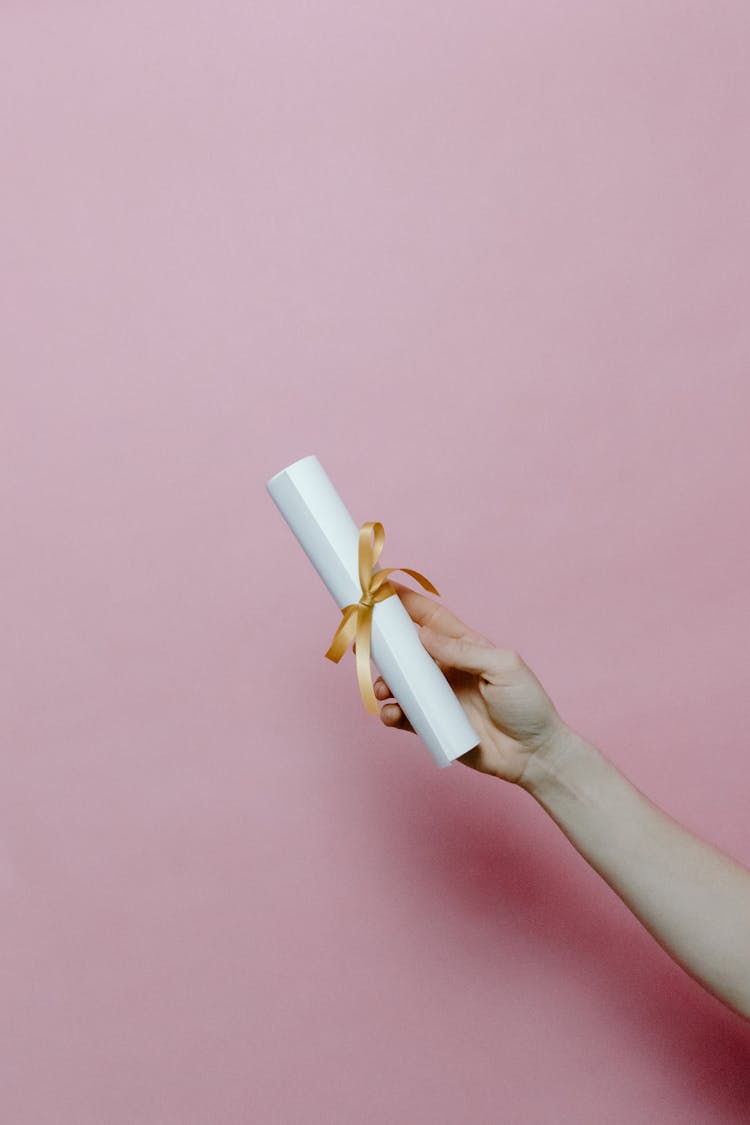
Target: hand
x,y
503,700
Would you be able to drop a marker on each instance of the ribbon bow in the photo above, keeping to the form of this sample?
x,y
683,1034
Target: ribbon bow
x,y
356,623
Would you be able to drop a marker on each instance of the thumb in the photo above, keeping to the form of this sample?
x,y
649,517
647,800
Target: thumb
x,y
457,652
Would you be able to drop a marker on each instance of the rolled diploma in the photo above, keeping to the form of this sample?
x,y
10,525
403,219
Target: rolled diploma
x,y
329,537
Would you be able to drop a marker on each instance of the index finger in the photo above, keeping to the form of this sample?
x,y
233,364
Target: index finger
x,y
424,611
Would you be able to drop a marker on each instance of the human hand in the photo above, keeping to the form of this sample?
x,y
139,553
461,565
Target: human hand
x,y
503,700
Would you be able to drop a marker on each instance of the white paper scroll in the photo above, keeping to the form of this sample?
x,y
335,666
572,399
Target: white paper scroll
x,y
329,536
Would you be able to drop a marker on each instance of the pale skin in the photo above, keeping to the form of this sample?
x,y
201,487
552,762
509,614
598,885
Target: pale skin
x,y
691,897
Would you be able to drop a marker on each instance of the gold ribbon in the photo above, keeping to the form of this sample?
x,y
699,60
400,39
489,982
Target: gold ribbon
x,y
356,623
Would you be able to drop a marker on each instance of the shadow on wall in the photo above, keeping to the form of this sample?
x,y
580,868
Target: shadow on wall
x,y
490,864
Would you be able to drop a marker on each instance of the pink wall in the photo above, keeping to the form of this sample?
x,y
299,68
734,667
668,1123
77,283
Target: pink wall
x,y
491,263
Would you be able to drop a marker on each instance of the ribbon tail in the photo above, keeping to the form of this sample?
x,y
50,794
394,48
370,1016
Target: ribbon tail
x,y
364,675
345,633
420,578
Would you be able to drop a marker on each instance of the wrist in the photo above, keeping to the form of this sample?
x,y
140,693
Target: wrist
x,y
553,763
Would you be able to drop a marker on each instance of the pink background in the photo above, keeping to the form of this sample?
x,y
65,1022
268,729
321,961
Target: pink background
x,y
490,262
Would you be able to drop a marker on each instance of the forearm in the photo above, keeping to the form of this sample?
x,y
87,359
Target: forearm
x,y
692,898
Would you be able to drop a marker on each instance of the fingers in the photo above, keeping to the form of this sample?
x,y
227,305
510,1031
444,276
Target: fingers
x,y
382,691
466,653
390,713
424,611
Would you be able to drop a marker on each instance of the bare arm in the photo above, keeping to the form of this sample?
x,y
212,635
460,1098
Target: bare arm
x,y
691,897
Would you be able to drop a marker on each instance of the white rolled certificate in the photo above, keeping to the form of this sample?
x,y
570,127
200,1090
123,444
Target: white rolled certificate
x,y
329,537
